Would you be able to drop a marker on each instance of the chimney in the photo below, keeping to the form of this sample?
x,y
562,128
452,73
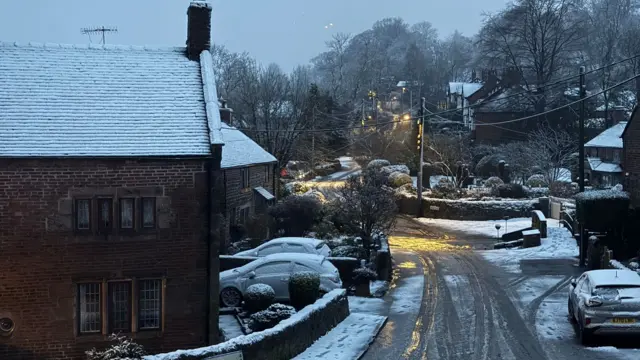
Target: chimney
x,y
198,29
225,112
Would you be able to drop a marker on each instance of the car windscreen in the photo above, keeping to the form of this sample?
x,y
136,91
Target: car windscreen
x,y
320,245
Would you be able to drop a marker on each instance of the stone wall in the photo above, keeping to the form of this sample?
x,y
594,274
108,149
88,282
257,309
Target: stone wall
x,y
282,342
466,209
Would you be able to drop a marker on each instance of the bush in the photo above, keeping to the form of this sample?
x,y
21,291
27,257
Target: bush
x,y
590,205
395,168
297,188
398,179
258,297
407,189
125,348
297,215
493,181
270,317
316,194
364,275
562,189
378,164
536,181
513,191
349,251
304,288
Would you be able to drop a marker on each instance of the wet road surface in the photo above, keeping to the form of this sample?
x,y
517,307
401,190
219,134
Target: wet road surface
x,y
467,310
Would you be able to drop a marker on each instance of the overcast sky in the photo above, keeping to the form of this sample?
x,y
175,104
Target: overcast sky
x,y
288,32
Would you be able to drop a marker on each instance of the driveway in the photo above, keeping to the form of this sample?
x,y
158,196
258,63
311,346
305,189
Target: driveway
x,y
471,309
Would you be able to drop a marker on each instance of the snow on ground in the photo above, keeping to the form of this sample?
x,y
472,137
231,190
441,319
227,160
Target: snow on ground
x,y
378,287
433,180
484,228
559,244
552,321
365,305
347,341
407,296
622,354
229,326
462,298
533,288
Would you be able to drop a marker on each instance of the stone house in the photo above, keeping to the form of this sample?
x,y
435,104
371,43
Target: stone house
x,y
250,180
603,157
112,195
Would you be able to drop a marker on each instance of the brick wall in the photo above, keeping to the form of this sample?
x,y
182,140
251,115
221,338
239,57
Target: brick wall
x,y
43,259
631,159
238,197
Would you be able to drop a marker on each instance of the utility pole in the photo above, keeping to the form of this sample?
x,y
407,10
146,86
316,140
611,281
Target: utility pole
x,y
583,93
421,121
313,139
581,131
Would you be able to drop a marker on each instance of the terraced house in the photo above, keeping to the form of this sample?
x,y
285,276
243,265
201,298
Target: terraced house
x,y
112,195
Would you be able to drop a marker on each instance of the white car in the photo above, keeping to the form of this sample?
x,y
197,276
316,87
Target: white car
x,y
275,270
289,245
605,302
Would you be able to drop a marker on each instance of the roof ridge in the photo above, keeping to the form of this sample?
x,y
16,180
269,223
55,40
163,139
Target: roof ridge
x,y
212,106
49,45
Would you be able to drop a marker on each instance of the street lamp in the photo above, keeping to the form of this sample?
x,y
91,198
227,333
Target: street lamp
x,y
406,117
498,231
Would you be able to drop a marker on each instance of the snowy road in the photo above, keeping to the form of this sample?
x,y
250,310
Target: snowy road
x,y
472,309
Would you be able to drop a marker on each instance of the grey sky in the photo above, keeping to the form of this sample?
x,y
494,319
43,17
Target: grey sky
x,y
287,32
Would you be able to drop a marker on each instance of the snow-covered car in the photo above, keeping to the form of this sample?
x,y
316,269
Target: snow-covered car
x,y
275,270
605,302
289,245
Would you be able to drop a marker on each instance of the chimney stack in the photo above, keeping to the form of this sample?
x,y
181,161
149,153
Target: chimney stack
x,y
225,112
198,29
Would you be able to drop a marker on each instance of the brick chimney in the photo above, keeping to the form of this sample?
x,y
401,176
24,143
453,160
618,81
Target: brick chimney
x,y
198,29
225,112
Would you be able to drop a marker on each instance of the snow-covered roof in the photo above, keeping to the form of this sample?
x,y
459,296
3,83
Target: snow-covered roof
x,y
509,99
613,277
295,240
464,88
598,165
105,101
239,150
611,138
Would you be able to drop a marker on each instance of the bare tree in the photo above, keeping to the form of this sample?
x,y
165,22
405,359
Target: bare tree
x,y
448,155
551,152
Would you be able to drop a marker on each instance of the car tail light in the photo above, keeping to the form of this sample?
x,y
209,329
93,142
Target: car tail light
x,y
587,321
594,301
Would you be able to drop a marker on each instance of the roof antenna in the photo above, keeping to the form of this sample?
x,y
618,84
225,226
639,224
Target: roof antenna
x,y
96,30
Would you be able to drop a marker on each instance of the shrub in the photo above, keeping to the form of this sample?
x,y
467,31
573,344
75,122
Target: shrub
x,y
493,181
536,181
398,179
125,348
316,194
513,191
349,251
562,189
296,215
304,288
406,189
299,188
488,165
258,297
364,275
378,164
270,317
395,168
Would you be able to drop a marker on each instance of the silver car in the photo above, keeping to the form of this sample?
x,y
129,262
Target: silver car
x,y
275,270
289,245
605,302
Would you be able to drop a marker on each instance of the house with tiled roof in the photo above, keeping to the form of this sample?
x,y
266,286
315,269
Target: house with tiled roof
x,y
604,157
116,171
631,157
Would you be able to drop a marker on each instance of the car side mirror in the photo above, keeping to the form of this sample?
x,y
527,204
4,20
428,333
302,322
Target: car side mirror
x,y
251,274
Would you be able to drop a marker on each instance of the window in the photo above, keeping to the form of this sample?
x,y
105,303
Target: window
x,y
89,308
616,156
299,267
244,215
149,304
119,307
268,250
266,173
281,267
127,209
295,248
244,174
105,211
148,213
83,214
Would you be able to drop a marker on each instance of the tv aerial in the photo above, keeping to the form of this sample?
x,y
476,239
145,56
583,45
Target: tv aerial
x,y
99,30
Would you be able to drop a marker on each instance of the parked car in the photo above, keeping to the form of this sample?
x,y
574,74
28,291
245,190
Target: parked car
x,y
289,245
605,301
275,270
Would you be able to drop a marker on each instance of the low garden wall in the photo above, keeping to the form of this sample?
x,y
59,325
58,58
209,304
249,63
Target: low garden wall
x,y
282,342
463,209
345,265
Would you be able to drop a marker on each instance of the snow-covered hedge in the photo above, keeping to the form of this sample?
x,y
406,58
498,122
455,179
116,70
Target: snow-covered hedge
x,y
300,331
493,182
123,349
590,205
398,179
270,317
395,168
537,181
364,274
258,297
378,164
304,288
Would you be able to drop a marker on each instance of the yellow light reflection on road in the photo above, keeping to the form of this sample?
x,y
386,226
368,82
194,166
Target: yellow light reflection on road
x,y
424,244
407,265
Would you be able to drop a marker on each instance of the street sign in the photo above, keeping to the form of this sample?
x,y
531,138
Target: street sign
x,y
230,356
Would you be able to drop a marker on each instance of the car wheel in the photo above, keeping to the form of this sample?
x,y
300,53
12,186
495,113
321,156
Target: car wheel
x,y
586,336
572,317
231,297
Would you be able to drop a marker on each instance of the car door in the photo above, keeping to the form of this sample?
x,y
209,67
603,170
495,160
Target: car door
x,y
276,275
573,294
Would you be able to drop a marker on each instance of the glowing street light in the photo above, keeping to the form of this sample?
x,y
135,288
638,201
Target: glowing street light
x,y
407,117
